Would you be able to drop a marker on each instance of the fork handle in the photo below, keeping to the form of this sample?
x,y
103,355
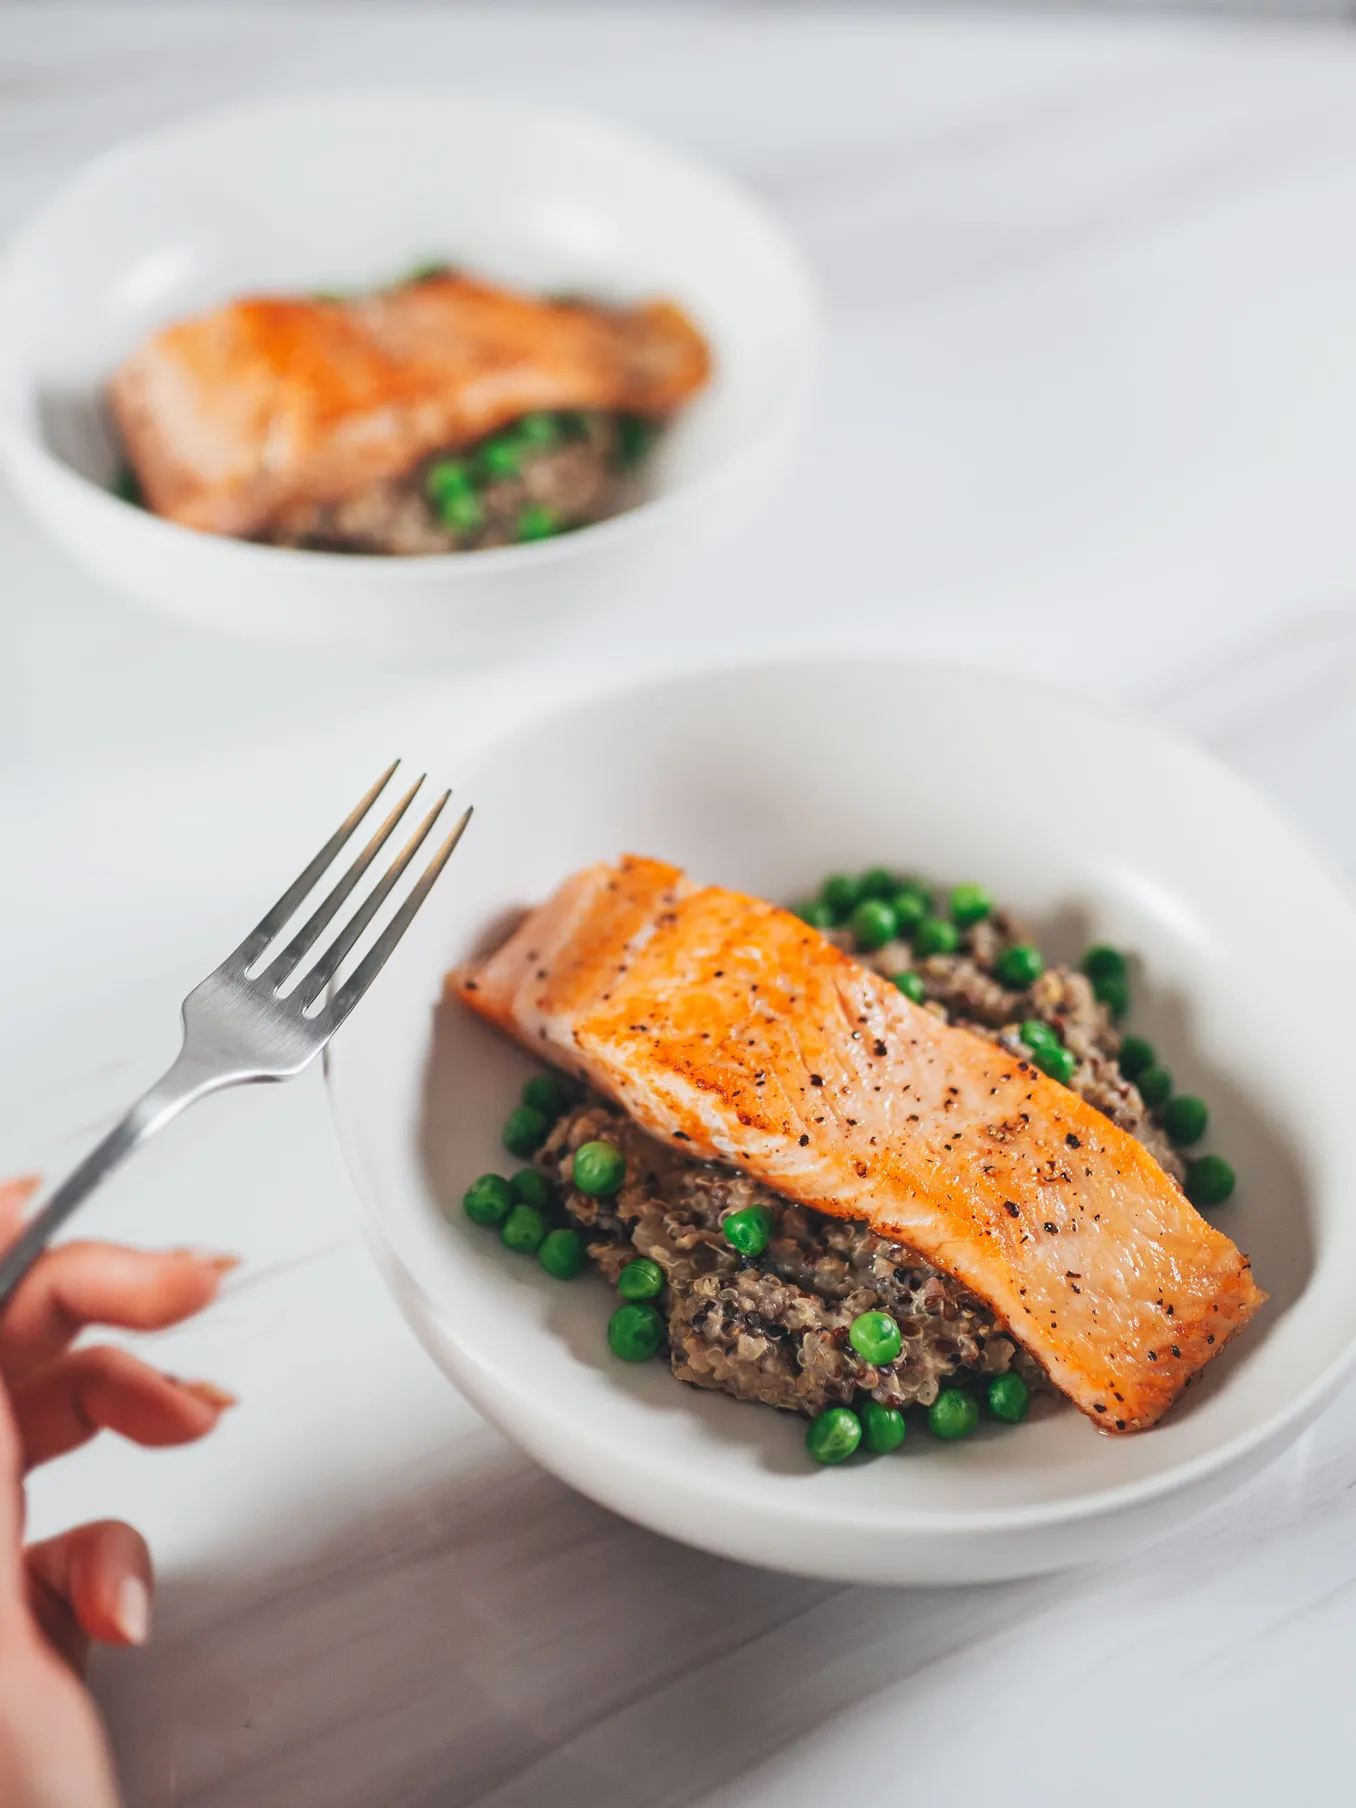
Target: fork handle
x,y
185,1082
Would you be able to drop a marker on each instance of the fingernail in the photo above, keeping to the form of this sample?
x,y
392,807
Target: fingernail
x,y
211,1258
210,1394
132,1610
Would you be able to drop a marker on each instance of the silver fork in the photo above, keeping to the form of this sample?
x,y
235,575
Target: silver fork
x,y
241,1024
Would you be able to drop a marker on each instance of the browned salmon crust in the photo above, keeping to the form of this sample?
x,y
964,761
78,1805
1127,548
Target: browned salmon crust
x,y
237,417
729,1028
774,1329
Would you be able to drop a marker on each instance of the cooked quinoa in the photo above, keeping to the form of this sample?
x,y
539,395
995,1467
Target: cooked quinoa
x,y
774,1328
583,475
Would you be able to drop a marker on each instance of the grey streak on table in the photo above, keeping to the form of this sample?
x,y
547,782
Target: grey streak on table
x,y
490,1638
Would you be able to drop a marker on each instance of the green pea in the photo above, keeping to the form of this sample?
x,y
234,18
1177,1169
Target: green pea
x,y
447,477
462,511
839,891
1019,966
537,431
535,522
532,1188
563,1254
1210,1181
953,1414
1101,962
1114,992
635,1332
875,1337
525,1130
598,1169
749,1231
934,935
970,904
126,486
1155,1086
872,923
883,1427
641,1280
545,1093
488,1200
635,435
1057,1061
1037,1034
834,1435
877,882
912,906
814,912
1136,1055
1009,1398
497,460
910,985
525,1229
1185,1119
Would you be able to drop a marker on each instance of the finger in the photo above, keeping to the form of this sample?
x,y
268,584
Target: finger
x,y
101,1283
14,1196
92,1583
88,1391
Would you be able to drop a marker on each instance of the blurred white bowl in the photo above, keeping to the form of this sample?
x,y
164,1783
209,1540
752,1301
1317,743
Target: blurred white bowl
x,y
767,778
351,189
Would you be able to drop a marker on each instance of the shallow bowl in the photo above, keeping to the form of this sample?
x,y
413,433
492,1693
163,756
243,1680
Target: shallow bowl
x,y
351,190
766,778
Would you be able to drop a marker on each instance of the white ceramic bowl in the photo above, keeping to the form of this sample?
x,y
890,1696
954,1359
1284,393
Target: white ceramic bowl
x,y
350,190
766,779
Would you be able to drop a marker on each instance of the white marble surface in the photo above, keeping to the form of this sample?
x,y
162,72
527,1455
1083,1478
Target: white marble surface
x,y
1086,409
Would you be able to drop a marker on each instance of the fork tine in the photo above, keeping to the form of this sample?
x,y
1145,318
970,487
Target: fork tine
x,y
383,948
285,963
264,931
328,965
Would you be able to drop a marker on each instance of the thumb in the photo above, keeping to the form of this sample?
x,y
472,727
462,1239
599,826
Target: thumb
x,y
92,1583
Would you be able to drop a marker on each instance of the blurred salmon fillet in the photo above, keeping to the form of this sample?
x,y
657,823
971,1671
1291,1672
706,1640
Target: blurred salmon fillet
x,y
231,418
731,1030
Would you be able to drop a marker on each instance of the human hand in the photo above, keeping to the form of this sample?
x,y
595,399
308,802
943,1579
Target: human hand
x,y
93,1582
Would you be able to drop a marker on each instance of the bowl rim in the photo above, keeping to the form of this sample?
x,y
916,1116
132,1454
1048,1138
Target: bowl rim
x,y
22,445
1259,1441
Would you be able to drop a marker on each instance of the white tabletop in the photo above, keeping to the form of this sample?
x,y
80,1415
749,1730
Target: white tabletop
x,y
1086,411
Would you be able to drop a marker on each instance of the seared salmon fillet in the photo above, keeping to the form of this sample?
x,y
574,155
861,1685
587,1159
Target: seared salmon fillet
x,y
732,1030
233,417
